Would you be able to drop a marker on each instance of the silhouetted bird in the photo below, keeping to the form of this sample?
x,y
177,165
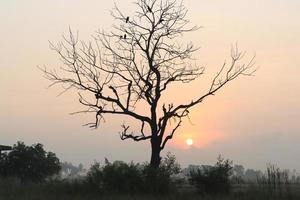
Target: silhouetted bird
x,y
98,95
149,9
127,19
121,37
161,20
125,36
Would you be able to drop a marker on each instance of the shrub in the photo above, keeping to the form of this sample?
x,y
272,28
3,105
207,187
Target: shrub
x,y
120,177
94,176
158,181
116,177
170,165
213,179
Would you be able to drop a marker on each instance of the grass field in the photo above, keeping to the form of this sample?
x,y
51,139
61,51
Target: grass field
x,y
12,190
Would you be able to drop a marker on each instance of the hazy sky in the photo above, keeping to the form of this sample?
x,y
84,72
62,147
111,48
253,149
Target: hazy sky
x,y
253,121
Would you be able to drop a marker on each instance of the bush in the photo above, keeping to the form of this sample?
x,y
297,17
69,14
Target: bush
x,y
29,163
120,177
213,179
117,177
158,181
94,176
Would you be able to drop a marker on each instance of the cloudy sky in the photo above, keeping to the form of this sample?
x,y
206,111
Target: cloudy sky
x,y
253,121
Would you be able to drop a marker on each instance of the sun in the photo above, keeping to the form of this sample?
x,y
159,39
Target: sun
x,y
189,141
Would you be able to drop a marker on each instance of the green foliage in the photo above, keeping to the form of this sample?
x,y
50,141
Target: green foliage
x,y
132,178
94,176
116,177
79,188
213,179
158,181
170,165
29,163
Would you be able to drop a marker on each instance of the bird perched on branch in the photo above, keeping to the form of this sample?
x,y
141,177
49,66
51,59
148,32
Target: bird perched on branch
x,y
98,95
149,9
125,36
127,19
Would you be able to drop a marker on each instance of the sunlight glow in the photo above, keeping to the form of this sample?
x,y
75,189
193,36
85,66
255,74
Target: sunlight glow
x,y
189,141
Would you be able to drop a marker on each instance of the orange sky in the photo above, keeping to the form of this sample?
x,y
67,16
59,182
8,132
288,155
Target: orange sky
x,y
252,121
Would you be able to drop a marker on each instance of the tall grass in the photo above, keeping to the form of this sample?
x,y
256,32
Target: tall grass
x,y
12,189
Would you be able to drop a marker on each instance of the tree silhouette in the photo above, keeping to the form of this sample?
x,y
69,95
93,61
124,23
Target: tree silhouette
x,y
134,65
29,163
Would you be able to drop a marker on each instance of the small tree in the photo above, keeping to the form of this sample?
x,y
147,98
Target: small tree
x,y
29,163
213,179
135,64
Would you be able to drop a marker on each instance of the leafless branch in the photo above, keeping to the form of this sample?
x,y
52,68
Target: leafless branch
x,y
136,62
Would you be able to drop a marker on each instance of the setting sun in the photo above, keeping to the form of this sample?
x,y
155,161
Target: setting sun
x,y
189,142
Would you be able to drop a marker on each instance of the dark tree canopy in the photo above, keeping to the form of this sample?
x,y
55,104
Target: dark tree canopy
x,y
29,163
135,64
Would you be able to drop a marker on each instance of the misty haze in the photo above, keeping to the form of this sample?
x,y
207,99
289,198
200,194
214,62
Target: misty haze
x,y
149,99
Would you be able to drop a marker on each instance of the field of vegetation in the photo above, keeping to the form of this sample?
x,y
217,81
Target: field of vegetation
x,y
31,173
57,190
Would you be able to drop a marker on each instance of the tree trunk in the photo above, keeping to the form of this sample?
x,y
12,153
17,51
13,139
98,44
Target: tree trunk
x,y
155,153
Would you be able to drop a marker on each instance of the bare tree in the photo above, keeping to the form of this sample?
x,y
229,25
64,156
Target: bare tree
x,y
135,64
